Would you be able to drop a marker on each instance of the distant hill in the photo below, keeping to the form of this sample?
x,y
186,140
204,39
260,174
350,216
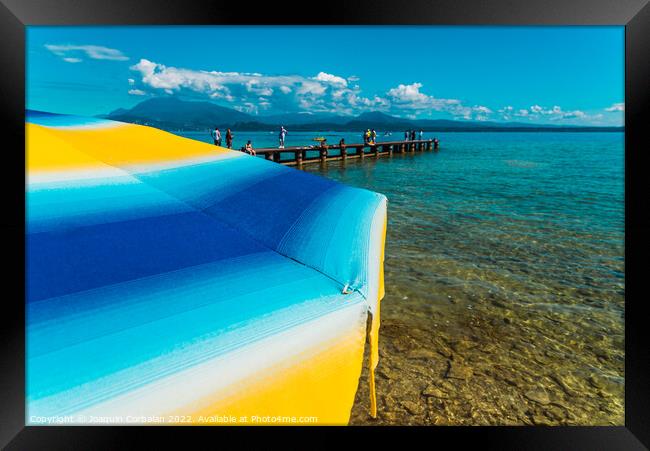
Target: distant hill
x,y
376,119
170,113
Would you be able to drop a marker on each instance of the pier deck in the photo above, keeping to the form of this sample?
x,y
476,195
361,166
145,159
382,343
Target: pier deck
x,y
298,155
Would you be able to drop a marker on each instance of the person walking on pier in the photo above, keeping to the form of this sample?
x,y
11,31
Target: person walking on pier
x,y
421,134
406,135
283,133
216,136
412,135
373,135
229,137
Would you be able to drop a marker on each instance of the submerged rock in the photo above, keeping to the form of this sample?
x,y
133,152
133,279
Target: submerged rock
x,y
435,392
566,383
422,353
413,408
461,345
456,370
555,413
538,395
540,420
386,373
604,383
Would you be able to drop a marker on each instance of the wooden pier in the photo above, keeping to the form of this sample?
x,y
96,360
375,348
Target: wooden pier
x,y
298,155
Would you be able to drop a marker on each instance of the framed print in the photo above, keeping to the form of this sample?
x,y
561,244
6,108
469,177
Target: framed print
x,y
378,215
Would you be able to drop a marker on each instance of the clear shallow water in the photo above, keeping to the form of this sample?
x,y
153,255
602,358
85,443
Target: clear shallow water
x,y
504,278
544,211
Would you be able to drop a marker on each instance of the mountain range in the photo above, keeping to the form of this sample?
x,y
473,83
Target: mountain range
x,y
171,113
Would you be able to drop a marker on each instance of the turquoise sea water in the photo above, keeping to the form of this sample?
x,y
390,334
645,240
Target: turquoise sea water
x,y
501,241
550,200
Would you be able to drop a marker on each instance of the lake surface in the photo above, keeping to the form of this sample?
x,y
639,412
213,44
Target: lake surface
x,y
504,277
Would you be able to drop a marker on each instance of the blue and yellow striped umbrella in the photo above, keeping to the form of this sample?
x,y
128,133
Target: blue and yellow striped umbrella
x,y
174,280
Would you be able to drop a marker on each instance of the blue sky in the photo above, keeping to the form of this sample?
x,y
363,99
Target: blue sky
x,y
562,75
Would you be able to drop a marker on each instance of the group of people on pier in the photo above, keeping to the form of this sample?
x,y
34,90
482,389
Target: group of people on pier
x,y
369,138
248,148
410,135
216,136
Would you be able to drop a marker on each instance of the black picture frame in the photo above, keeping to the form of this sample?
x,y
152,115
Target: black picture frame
x,y
16,14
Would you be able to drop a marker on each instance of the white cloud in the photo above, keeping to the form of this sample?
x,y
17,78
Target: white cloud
x,y
320,93
214,83
338,94
409,94
313,88
96,52
556,112
481,113
323,92
409,97
482,109
572,114
137,92
247,107
506,112
616,107
537,113
329,78
258,88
